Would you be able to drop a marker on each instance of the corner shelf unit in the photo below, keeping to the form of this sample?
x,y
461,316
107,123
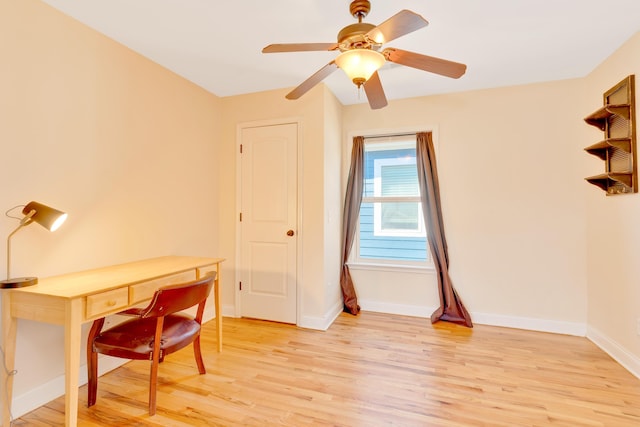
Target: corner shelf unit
x,y
618,148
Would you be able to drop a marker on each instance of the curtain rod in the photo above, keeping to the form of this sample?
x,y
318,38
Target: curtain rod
x,y
391,135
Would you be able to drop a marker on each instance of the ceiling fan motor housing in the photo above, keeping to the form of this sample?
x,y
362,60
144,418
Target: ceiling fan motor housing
x,y
353,36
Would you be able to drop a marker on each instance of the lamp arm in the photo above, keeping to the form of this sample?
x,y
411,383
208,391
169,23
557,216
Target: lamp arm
x,y
23,223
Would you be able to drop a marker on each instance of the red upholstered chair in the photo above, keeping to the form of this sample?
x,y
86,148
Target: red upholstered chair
x,y
154,332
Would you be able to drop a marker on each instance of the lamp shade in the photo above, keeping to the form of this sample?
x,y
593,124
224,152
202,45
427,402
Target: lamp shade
x,y
48,217
360,64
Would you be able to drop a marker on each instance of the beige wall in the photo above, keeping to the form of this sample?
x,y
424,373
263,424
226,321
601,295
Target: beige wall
x,y
127,148
613,233
513,204
333,198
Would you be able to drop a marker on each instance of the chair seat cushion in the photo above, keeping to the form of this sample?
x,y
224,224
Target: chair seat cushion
x,y
133,339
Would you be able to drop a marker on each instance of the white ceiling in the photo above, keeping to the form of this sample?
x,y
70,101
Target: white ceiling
x,y
217,43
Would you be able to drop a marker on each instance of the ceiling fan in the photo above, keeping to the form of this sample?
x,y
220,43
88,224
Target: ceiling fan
x,y
360,56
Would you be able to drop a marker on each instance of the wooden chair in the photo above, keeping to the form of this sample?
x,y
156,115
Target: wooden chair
x,y
154,332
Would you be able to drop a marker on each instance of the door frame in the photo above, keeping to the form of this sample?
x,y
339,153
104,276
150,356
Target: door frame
x,y
300,235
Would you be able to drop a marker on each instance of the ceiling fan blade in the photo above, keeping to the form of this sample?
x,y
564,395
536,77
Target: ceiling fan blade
x,y
403,22
425,63
375,93
316,78
299,47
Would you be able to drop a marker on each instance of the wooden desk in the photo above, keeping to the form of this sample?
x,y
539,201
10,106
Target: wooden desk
x,y
73,299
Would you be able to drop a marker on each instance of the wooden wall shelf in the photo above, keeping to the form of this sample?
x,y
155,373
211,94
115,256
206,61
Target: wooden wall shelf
x,y
599,118
602,148
618,148
610,180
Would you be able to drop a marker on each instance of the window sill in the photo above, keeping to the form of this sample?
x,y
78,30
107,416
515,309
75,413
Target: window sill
x,y
403,268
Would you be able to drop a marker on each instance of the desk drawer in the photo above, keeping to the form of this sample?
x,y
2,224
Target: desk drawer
x,y
107,302
144,291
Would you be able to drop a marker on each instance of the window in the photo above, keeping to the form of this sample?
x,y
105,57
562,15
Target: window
x,y
391,227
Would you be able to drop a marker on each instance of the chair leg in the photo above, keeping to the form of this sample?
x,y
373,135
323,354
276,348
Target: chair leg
x,y
153,385
92,362
198,354
155,361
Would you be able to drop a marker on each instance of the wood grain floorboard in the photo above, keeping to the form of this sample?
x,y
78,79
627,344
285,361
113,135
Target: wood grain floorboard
x,y
369,370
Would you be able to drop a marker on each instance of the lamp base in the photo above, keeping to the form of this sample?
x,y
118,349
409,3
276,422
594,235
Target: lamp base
x,y
19,282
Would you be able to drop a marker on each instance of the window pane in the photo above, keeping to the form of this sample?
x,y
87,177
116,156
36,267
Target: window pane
x,y
399,180
393,169
391,230
399,216
388,247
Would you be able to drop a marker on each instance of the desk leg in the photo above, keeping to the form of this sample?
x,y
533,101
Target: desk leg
x,y
72,337
216,292
9,328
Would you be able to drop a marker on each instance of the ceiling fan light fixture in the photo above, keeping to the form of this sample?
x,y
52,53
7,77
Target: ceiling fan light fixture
x,y
360,64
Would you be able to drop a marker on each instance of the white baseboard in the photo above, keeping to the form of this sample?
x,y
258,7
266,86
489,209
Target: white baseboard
x,y
629,361
400,309
322,323
532,324
53,389
229,310
210,312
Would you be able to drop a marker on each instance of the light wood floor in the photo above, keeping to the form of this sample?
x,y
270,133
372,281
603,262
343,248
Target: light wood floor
x,y
370,370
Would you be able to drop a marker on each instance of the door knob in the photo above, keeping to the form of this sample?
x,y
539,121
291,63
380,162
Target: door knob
x,y
290,233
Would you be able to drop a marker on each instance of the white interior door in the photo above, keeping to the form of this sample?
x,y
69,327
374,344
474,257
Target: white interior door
x,y
268,222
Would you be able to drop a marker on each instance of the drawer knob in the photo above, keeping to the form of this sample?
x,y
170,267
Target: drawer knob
x,y
111,303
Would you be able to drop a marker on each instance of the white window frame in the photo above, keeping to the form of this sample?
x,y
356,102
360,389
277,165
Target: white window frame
x,y
386,264
378,199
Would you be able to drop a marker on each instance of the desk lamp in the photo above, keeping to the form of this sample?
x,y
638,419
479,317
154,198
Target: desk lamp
x,y
49,218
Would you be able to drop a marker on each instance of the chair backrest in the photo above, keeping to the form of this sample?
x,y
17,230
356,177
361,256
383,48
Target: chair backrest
x,y
174,298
